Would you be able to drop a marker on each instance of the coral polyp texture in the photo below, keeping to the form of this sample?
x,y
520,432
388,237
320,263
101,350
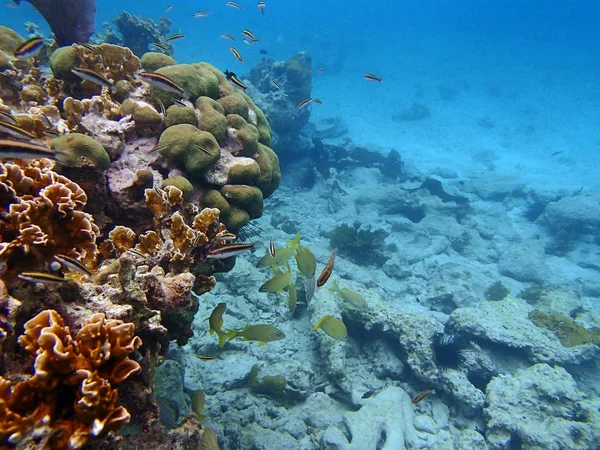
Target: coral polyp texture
x,y
71,397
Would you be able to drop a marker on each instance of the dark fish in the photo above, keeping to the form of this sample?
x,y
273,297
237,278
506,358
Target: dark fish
x,y
168,412
248,34
421,395
233,79
227,251
10,149
163,82
263,51
326,271
303,103
276,84
179,103
174,37
236,54
371,77
29,48
94,77
557,153
233,5
368,394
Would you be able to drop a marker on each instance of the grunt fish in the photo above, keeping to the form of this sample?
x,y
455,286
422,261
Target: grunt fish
x,y
349,296
421,395
29,48
306,261
261,333
168,413
10,149
93,77
215,322
43,278
278,283
73,264
227,251
236,54
292,297
16,131
197,398
333,327
208,439
326,271
162,82
371,77
234,5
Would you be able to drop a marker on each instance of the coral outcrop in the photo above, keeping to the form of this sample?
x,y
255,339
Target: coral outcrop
x,y
71,397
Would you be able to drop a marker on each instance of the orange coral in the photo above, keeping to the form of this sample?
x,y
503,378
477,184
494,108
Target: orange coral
x,y
70,398
43,216
112,61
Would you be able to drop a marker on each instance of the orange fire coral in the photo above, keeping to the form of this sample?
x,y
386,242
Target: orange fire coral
x,y
42,216
70,399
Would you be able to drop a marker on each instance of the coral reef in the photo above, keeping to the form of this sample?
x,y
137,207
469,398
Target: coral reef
x,y
70,20
565,328
137,33
71,398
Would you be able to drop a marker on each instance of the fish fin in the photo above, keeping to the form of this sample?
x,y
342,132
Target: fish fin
x,y
211,331
335,287
295,244
262,343
318,324
226,337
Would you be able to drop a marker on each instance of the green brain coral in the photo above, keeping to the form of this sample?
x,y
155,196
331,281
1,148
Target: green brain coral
x,y
246,133
194,79
212,118
62,60
152,61
181,183
79,150
176,115
189,148
248,198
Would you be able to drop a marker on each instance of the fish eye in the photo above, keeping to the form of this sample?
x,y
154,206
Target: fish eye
x,y
278,334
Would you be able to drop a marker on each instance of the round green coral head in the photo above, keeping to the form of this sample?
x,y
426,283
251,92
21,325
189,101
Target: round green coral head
x,y
152,61
79,150
189,148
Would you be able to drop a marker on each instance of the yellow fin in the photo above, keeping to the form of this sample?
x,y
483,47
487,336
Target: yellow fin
x,y
295,243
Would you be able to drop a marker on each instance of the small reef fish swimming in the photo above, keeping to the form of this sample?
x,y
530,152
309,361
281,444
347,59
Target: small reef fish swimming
x,y
234,5
202,149
7,118
197,398
236,54
333,327
307,101
234,80
279,282
11,5
556,153
272,248
43,278
157,148
10,149
371,77
261,333
292,297
306,261
206,357
93,77
73,264
261,7
136,252
160,46
29,48
282,255
349,296
201,14
215,323
276,84
326,271
174,37
16,131
320,69
227,251
169,8
262,51
421,395
164,83
228,36
248,34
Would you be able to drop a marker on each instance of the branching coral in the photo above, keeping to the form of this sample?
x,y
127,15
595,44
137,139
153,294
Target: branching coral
x,y
42,216
70,399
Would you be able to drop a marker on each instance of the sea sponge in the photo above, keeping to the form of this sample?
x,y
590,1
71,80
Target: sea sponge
x,y
74,375
152,61
248,198
176,115
62,60
246,135
565,328
80,150
195,80
182,148
211,118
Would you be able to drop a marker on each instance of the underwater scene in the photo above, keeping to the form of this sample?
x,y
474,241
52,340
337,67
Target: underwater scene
x,y
276,225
